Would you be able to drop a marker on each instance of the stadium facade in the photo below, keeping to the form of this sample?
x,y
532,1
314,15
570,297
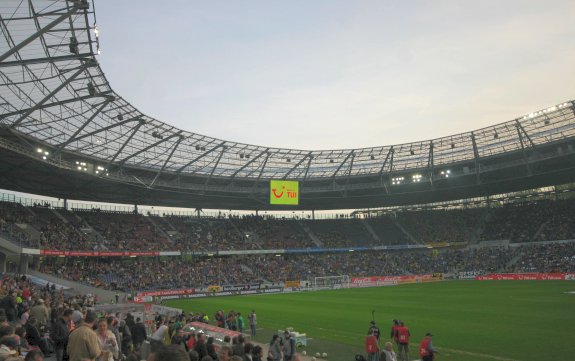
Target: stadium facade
x,y
65,133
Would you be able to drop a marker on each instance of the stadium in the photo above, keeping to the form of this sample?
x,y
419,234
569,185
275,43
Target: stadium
x,y
470,236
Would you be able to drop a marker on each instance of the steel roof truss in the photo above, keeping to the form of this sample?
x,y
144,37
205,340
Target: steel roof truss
x,y
123,161
200,157
250,162
81,128
54,92
342,163
297,165
134,131
38,33
167,160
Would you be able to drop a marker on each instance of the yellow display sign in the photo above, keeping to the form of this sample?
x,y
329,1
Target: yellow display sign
x,y
284,192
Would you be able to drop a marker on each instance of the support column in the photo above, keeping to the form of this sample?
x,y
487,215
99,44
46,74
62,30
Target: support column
x,y
23,266
2,262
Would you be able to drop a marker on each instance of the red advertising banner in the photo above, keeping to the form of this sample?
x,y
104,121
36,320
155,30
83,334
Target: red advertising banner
x,y
389,280
212,329
186,291
48,252
527,277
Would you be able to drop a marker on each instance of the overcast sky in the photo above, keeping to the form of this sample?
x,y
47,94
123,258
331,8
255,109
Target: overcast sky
x,y
337,74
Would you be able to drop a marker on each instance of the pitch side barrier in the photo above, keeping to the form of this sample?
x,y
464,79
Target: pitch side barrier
x,y
281,287
558,276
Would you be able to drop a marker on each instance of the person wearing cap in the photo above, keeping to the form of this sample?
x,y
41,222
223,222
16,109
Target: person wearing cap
x,y
426,349
83,342
40,312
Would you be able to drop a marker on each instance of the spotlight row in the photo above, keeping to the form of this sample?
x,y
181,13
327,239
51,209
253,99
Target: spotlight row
x,y
417,178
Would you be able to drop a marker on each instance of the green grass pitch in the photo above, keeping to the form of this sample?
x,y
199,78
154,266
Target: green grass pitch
x,y
470,320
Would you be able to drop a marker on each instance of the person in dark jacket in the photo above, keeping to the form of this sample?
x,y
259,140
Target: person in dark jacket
x,y
210,347
33,336
139,333
126,337
200,346
59,333
257,353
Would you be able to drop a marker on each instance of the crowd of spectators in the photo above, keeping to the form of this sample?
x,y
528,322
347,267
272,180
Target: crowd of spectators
x,y
40,226
132,274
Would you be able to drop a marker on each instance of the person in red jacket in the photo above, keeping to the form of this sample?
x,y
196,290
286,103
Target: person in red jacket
x,y
426,349
371,346
403,341
393,334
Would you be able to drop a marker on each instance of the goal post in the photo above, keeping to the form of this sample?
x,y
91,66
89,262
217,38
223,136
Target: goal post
x,y
331,282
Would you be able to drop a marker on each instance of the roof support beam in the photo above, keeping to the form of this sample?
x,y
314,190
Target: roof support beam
x,y
58,103
388,156
81,128
342,163
123,161
476,159
134,131
200,157
214,167
261,168
53,59
250,162
53,92
307,167
390,152
430,161
40,32
297,165
349,170
520,130
100,130
167,160
525,160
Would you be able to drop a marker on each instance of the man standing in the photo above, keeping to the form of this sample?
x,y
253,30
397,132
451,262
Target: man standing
x,y
374,329
40,312
403,341
240,320
289,346
393,334
371,346
253,322
139,333
426,349
59,333
83,341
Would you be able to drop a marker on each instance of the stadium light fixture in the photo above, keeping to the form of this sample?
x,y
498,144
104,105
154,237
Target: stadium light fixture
x,y
446,173
39,150
44,157
416,178
397,180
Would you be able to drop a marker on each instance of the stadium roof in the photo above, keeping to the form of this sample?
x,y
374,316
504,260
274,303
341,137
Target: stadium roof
x,y
54,94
